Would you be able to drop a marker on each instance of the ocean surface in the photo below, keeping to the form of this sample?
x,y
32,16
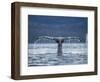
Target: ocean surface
x,y
45,54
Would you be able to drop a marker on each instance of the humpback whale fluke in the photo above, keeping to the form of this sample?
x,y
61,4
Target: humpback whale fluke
x,y
59,41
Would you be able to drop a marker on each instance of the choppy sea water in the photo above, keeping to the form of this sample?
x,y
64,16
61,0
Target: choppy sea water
x,y
46,54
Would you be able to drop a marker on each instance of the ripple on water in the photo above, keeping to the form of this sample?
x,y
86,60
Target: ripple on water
x,y
50,59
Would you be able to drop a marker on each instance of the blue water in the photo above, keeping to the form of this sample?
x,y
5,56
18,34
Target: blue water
x,y
46,54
